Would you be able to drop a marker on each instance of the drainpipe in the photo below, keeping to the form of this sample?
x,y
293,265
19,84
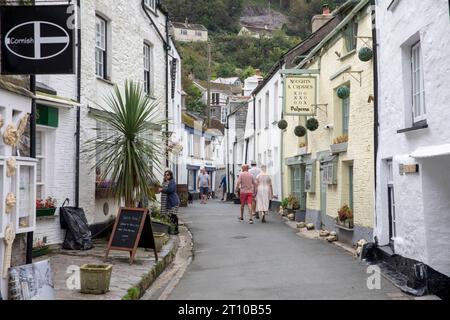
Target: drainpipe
x,y
376,90
167,47
166,44
30,235
78,125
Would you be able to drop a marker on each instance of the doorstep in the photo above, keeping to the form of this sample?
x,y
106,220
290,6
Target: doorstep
x,y
128,282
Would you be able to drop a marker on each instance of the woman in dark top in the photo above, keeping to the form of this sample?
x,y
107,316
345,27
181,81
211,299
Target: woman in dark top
x,y
169,190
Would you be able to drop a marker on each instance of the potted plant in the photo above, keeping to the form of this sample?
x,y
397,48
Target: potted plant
x,y
95,279
45,208
284,205
345,217
131,145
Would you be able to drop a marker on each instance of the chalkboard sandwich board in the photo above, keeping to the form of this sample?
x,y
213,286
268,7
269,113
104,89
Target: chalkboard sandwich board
x,y
132,224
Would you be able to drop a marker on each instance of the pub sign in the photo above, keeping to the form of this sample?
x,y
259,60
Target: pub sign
x,y
37,39
300,95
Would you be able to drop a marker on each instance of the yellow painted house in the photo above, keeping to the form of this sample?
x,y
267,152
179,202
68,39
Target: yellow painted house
x,y
333,166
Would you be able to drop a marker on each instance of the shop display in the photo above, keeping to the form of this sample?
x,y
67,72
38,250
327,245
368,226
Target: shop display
x,y
10,137
31,282
10,235
11,167
2,121
10,202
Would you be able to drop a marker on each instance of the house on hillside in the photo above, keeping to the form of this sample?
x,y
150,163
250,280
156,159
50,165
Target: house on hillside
x,y
256,32
189,32
233,81
220,93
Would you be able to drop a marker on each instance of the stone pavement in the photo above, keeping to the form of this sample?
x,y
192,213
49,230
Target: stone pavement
x,y
127,281
235,261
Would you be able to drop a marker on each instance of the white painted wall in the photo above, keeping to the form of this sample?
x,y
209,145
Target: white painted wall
x,y
125,42
423,226
268,139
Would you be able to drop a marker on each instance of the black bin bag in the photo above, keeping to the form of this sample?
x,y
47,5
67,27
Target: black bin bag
x,y
78,236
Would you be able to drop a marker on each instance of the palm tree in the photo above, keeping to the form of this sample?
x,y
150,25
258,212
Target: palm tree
x,y
131,147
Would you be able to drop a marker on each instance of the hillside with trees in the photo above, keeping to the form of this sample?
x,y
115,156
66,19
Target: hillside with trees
x,y
234,55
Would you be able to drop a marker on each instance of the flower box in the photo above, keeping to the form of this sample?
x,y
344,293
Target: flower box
x,y
103,193
45,212
347,224
339,148
95,279
41,251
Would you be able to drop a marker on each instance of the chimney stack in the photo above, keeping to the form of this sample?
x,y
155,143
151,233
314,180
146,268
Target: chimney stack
x,y
258,72
320,20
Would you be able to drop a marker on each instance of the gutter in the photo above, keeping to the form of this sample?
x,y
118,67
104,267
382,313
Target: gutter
x,y
336,30
78,125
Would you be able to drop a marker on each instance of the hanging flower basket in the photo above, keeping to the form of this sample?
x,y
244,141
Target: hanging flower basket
x,y
312,124
365,54
343,92
282,124
300,131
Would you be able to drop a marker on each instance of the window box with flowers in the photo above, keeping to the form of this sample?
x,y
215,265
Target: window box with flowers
x,y
340,144
45,208
345,218
103,189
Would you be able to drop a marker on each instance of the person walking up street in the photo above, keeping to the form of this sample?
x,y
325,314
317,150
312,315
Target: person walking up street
x,y
169,191
223,185
246,186
255,171
264,193
204,185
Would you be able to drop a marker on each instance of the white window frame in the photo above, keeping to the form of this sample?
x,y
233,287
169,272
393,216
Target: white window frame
x,y
101,47
151,4
198,33
40,156
148,68
275,102
183,32
215,97
417,84
259,114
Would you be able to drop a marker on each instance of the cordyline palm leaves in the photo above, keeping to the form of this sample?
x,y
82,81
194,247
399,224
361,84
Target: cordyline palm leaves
x,y
131,145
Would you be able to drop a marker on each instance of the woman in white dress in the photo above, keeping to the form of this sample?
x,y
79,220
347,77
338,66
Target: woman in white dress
x,y
264,193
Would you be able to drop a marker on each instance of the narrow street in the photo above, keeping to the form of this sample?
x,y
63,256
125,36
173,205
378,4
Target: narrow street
x,y
236,261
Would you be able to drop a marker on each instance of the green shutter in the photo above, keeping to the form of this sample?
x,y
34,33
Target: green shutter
x,y
47,116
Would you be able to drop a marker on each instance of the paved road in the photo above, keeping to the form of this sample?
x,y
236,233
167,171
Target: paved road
x,y
236,261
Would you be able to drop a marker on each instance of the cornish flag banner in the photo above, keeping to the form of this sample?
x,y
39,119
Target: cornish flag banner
x,y
37,39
